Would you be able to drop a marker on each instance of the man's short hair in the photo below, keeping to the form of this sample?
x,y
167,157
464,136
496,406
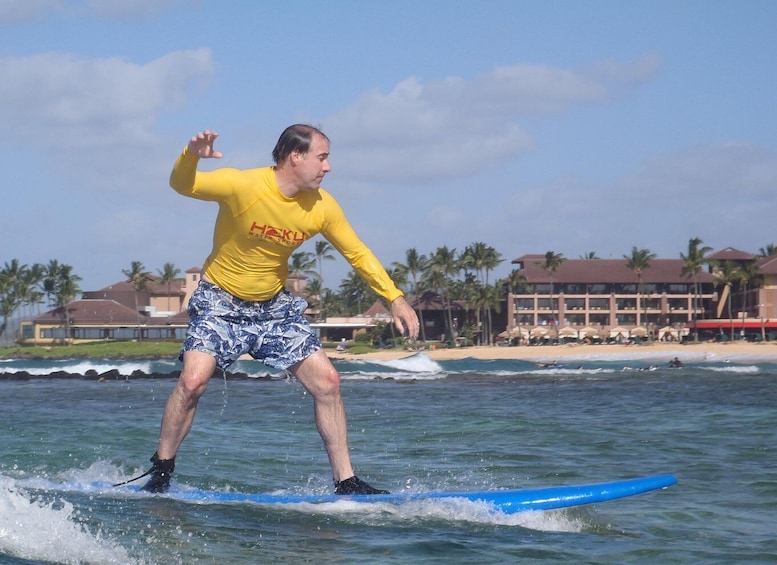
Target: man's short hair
x,y
295,138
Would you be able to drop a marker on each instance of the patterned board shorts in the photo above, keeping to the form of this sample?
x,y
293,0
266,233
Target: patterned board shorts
x,y
273,331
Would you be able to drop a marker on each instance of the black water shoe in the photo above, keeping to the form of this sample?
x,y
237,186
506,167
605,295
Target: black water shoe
x,y
355,485
160,474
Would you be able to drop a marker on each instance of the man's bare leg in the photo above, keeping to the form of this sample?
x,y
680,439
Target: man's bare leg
x,y
322,381
178,417
198,367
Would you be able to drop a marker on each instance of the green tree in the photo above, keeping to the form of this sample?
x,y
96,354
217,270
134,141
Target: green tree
x,y
692,266
52,273
767,251
303,264
324,252
66,290
11,291
638,262
138,277
313,293
443,266
414,267
483,259
551,264
355,292
167,277
516,280
589,255
727,273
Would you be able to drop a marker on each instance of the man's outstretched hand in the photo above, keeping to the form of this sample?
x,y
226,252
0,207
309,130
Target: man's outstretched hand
x,y
201,145
405,318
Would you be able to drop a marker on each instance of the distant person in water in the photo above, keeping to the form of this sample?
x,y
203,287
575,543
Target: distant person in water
x,y
675,363
240,306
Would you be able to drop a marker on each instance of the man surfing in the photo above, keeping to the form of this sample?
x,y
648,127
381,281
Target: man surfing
x,y
240,306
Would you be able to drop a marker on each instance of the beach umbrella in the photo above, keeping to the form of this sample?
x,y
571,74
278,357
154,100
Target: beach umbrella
x,y
588,331
519,332
639,331
619,330
538,331
568,332
667,330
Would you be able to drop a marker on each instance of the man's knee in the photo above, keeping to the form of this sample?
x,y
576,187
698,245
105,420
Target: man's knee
x,y
192,384
329,381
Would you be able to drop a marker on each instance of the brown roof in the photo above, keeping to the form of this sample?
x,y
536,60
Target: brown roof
x,y
768,265
731,254
593,271
153,287
376,310
179,319
94,311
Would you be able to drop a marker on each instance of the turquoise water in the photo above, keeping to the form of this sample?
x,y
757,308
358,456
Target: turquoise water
x,y
415,425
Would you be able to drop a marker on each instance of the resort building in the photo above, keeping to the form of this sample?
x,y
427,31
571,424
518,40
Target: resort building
x,y
604,299
596,299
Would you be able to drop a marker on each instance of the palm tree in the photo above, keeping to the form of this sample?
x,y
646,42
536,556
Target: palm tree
x,y
767,251
638,262
329,303
323,252
355,291
51,279
303,263
26,288
551,264
483,259
727,273
11,290
167,276
313,293
589,255
414,266
138,277
514,281
692,265
66,290
443,265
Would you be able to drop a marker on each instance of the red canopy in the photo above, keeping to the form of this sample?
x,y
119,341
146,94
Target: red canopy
x,y
738,324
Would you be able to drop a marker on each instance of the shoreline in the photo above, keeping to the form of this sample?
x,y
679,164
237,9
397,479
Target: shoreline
x,y
662,352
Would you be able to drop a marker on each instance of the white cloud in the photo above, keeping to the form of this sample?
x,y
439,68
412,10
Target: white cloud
x,y
58,101
453,127
721,193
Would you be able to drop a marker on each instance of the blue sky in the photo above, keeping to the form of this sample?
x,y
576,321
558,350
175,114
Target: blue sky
x,y
528,125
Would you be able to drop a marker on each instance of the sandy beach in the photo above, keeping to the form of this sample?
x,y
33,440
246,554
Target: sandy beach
x,y
654,351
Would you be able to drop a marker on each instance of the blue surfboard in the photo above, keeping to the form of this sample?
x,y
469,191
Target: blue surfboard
x,y
507,501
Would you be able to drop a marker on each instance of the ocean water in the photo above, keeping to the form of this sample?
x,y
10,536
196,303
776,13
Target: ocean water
x,y
414,425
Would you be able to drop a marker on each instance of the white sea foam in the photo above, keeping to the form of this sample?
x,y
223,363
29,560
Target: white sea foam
x,y
37,530
80,367
743,369
417,363
454,510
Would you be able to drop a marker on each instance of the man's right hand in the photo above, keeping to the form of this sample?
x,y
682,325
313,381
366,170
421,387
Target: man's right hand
x,y
201,145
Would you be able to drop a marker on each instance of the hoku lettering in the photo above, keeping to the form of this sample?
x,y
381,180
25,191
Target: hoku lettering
x,y
279,235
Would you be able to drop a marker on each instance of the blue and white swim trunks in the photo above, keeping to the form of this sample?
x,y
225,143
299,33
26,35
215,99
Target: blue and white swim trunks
x,y
272,331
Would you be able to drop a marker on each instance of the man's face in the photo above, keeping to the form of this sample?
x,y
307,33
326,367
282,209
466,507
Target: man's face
x,y
312,166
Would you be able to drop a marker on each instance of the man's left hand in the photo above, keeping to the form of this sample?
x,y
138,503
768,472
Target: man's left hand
x,y
405,318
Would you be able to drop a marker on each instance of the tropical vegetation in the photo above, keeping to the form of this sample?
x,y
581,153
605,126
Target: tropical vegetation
x,y
459,278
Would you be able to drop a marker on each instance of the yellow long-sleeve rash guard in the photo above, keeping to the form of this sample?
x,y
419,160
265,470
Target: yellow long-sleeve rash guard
x,y
258,228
